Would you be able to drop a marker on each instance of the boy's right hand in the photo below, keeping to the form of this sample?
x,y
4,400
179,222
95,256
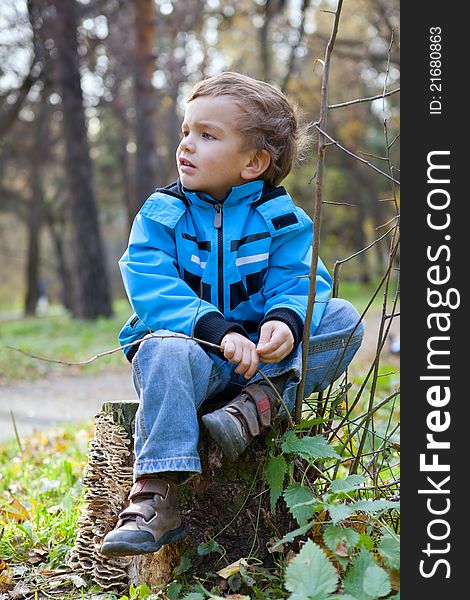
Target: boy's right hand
x,y
241,351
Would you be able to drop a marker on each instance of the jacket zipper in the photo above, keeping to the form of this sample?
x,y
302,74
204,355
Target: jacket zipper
x,y
220,256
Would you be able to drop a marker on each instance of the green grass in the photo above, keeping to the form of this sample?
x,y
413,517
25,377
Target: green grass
x,y
359,294
40,499
60,337
39,494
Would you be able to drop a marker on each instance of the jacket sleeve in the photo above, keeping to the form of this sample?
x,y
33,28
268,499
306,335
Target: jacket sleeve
x,y
159,297
286,284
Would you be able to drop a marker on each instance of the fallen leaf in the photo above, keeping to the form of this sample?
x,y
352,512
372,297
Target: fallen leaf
x,y
230,570
6,581
14,511
342,549
36,556
19,591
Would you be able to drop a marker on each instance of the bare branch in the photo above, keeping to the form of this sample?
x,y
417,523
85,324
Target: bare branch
x,y
340,204
360,100
366,162
8,117
88,361
317,211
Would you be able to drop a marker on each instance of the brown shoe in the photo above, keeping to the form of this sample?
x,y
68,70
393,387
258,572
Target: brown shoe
x,y
234,426
149,522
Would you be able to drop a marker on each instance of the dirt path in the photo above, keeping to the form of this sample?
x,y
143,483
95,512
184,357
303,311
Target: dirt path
x,y
46,402
77,398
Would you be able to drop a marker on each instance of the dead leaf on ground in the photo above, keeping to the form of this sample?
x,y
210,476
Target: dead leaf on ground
x,y
6,581
19,591
226,572
14,511
37,556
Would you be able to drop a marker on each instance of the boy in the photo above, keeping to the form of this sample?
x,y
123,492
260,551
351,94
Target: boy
x,y
222,257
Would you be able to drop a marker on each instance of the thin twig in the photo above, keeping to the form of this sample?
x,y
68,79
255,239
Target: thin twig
x,y
366,162
279,397
317,212
339,203
388,222
88,361
359,100
13,420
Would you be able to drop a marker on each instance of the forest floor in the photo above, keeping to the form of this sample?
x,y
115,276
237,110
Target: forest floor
x,y
77,397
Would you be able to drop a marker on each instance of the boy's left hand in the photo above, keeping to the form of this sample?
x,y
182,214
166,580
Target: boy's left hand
x,y
275,341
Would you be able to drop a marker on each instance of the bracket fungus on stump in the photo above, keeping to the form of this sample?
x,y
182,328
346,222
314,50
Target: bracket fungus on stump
x,y
226,502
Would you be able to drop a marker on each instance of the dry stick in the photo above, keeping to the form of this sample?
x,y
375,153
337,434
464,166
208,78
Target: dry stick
x,y
359,100
279,397
148,336
339,263
377,356
88,361
317,212
13,420
391,259
335,293
365,162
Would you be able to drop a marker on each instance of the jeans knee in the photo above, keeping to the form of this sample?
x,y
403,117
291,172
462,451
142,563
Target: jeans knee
x,y
346,315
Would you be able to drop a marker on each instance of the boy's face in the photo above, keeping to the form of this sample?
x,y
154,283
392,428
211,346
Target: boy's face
x,y
210,157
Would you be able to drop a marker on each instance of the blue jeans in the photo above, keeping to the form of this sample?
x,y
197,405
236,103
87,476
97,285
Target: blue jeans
x,y
174,377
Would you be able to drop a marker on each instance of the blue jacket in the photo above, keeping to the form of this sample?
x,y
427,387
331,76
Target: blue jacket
x,y
201,267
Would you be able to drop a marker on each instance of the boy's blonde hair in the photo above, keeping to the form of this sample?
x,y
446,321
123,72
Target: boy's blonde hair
x,y
268,120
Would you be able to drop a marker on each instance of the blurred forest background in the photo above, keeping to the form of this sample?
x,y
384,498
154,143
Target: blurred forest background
x,y
92,94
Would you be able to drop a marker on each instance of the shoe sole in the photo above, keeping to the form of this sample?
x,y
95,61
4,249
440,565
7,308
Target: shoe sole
x,y
225,435
127,549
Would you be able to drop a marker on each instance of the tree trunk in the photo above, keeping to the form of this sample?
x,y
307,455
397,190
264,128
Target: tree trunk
x,y
91,288
145,100
63,273
225,502
34,230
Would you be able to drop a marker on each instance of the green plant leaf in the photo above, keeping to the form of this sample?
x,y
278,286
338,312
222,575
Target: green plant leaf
x,y
310,574
352,482
293,534
296,496
291,443
235,582
209,547
184,565
338,511
335,536
193,596
275,473
173,590
365,580
308,447
250,582
365,541
307,423
389,550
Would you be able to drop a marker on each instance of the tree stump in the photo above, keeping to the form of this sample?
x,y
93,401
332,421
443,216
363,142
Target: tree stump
x,y
226,502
